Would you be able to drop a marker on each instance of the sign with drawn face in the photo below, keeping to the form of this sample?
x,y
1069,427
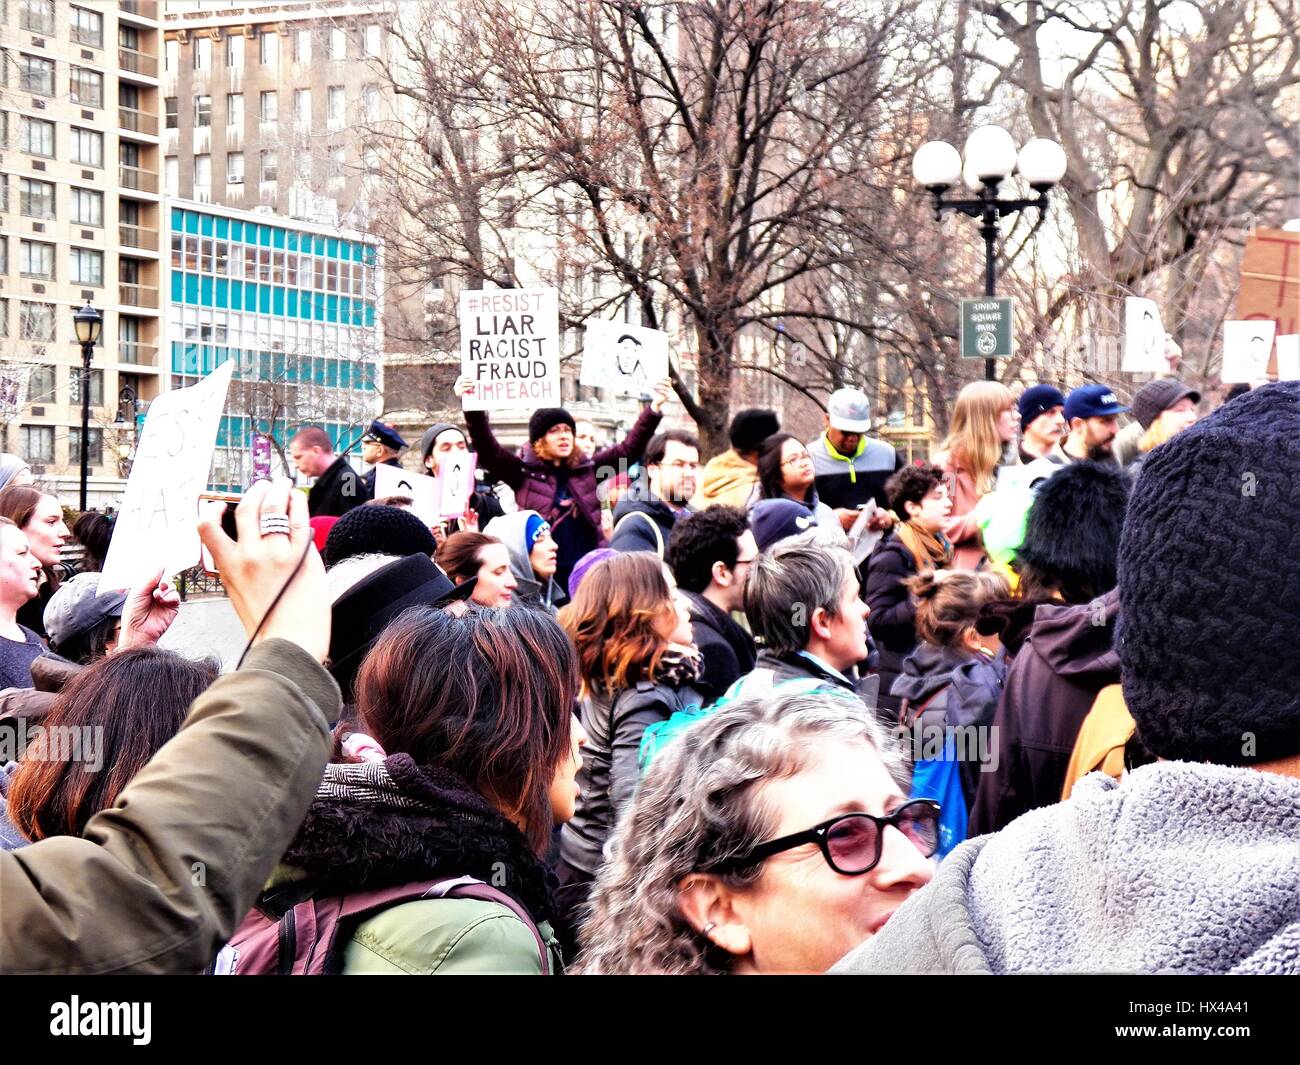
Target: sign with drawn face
x,y
395,481
1288,357
1246,350
159,518
1144,337
629,359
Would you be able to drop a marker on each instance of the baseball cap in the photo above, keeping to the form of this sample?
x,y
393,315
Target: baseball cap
x,y
1156,397
77,606
1092,401
849,410
1037,400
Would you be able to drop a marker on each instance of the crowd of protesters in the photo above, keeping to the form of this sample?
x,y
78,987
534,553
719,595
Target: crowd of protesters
x,y
631,714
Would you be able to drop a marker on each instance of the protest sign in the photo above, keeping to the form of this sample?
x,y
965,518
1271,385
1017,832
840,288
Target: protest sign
x,y
629,359
1144,337
1270,280
158,521
1246,350
1288,357
395,481
510,348
261,456
455,483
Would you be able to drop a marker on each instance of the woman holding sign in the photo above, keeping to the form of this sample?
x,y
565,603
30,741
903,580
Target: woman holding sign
x,y
553,477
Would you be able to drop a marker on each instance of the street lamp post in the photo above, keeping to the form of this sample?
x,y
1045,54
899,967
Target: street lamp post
x,y
88,323
990,158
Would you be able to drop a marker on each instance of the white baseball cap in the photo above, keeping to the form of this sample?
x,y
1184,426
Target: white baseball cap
x,y
849,410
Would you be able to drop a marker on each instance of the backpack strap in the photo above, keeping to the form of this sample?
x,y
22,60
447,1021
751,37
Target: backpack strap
x,y
654,528
908,714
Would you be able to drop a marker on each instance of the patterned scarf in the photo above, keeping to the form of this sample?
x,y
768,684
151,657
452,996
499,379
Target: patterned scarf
x,y
929,550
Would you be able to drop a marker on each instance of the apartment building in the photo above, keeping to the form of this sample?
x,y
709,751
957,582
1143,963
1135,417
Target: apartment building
x,y
80,167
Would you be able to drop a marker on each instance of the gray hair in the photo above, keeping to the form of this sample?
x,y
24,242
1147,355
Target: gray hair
x,y
785,587
346,575
697,807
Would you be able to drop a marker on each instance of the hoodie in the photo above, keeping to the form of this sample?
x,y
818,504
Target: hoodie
x,y
510,530
728,480
1050,687
1181,868
638,535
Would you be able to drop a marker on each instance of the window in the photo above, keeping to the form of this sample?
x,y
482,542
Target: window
x,y
36,75
4,269
96,389
38,443
335,101
302,108
95,451
234,168
87,27
40,385
173,112
374,40
88,147
36,259
87,266
203,110
36,321
36,198
270,47
338,44
87,87
370,102
172,176
337,163
171,55
38,137
235,50
202,53
88,207
268,164
38,16
302,46
269,106
128,37
129,153
202,172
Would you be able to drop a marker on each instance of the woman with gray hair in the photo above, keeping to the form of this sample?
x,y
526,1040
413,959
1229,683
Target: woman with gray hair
x,y
771,837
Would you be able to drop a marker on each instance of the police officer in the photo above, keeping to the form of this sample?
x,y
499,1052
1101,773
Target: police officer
x,y
380,446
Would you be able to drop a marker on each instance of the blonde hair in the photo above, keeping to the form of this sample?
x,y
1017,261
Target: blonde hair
x,y
948,602
973,442
1159,432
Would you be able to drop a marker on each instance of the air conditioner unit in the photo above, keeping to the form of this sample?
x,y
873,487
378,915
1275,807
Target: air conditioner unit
x,y
263,208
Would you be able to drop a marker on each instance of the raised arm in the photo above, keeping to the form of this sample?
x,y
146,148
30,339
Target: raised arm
x,y
500,464
633,445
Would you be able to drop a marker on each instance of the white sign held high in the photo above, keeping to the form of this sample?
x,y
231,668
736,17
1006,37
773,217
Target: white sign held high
x,y
1288,357
158,522
510,348
1246,348
629,359
395,481
1144,337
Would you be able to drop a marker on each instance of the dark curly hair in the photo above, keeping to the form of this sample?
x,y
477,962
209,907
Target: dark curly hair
x,y
911,484
700,540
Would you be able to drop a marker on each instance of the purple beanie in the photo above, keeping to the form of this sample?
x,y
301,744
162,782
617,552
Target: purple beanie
x,y
585,564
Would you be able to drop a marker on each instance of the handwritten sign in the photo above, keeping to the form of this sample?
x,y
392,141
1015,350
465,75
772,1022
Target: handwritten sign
x,y
159,518
424,490
629,359
1246,350
455,483
1288,357
1144,337
510,348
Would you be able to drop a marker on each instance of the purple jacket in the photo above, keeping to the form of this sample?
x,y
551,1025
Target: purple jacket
x,y
533,481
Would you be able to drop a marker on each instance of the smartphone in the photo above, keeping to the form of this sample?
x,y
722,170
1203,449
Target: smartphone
x,y
227,526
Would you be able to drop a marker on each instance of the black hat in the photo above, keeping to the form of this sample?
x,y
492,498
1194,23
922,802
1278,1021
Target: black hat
x,y
546,419
749,428
432,433
366,609
1156,397
774,520
1037,400
385,434
377,530
1209,585
1072,530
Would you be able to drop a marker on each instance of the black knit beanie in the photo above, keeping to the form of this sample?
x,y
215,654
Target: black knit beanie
x,y
751,427
1209,585
377,530
546,419
1072,531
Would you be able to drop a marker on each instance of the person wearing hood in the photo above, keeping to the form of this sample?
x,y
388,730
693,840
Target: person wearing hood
x,y
785,471
1189,865
644,518
14,470
380,447
729,478
551,476
533,556
445,439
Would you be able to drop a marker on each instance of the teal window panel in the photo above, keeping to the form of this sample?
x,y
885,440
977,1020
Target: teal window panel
x,y
332,248
291,303
345,310
291,241
223,228
264,366
250,297
277,302
358,250
221,356
236,295
345,375
191,288
277,237
371,255
277,367
205,359
178,282
318,245
205,290
191,222
331,373
178,357
264,299
222,297
178,219
190,359
304,304
236,229
370,315
205,225
264,236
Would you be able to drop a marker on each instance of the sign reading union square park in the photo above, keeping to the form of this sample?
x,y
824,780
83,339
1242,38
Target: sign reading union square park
x,y
986,328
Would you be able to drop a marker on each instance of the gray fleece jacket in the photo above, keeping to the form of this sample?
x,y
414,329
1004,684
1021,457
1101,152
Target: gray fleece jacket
x,y
1181,868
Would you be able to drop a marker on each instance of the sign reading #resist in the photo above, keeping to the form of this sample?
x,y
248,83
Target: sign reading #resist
x,y
986,328
510,348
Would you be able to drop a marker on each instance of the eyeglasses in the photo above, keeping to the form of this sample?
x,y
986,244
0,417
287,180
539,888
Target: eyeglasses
x,y
852,843
797,460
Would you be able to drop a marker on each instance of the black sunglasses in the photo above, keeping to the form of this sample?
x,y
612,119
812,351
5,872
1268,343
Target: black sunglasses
x,y
852,843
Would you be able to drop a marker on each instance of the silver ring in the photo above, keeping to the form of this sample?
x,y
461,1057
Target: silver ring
x,y
271,524
708,928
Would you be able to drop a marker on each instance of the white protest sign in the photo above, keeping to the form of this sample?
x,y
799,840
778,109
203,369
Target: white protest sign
x,y
1144,337
1288,357
1246,348
455,483
158,522
510,348
630,359
395,481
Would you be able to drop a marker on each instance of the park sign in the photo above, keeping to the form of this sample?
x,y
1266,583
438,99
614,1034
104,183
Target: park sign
x,y
986,328
510,348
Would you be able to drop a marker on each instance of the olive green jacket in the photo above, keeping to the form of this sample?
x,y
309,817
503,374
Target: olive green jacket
x,y
161,879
